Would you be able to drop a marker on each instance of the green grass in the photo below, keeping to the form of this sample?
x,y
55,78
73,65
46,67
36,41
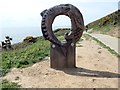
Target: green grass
x,y
110,19
24,56
6,85
86,37
105,29
106,25
103,45
59,33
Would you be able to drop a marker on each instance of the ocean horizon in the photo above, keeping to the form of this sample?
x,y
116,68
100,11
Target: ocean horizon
x,y
19,33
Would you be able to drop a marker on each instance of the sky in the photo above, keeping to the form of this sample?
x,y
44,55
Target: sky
x,y
26,13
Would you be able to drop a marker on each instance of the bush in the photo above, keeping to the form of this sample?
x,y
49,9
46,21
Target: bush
x,y
30,39
24,62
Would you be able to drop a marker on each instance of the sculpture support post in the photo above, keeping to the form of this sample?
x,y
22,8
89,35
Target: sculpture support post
x,y
62,54
62,57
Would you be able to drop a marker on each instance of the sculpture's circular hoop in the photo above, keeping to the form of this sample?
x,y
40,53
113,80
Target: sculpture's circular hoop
x,y
77,23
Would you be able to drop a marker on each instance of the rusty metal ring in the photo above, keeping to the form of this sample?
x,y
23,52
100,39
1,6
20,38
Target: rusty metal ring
x,y
77,23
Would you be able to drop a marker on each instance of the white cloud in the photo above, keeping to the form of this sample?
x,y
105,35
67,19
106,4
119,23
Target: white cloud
x,y
26,12
23,13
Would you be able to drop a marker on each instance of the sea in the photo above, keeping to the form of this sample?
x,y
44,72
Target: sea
x,y
19,33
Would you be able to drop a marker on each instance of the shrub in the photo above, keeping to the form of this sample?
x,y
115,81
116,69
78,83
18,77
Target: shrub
x,y
30,39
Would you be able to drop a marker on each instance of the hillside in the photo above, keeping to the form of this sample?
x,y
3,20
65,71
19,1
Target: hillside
x,y
95,69
106,25
26,57
27,53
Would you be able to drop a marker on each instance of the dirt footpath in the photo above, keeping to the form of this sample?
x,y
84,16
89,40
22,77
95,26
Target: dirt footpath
x,y
96,68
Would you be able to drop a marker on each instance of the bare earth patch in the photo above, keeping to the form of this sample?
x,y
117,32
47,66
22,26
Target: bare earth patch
x,y
96,68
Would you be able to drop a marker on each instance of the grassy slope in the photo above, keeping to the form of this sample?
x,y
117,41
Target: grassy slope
x,y
106,25
24,55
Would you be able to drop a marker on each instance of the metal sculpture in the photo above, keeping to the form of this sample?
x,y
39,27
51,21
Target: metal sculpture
x,y
62,54
7,44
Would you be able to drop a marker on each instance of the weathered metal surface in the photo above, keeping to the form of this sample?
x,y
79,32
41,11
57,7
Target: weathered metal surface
x,y
62,55
7,44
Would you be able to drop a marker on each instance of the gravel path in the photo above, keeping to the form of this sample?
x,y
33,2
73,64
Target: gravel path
x,y
112,42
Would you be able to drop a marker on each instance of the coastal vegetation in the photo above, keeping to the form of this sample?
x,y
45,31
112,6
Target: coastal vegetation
x,y
106,25
35,49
